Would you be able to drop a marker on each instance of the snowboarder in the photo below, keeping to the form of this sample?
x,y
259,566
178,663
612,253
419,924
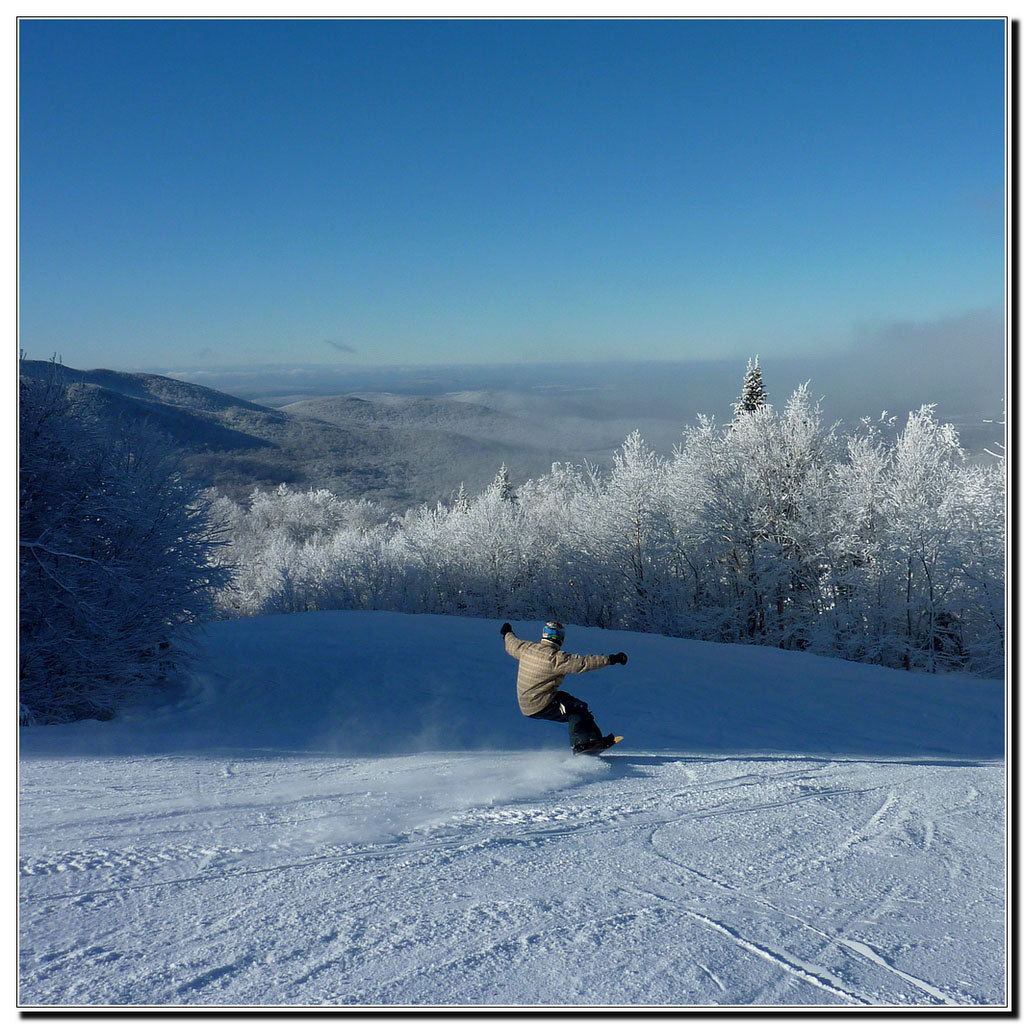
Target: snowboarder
x,y
542,667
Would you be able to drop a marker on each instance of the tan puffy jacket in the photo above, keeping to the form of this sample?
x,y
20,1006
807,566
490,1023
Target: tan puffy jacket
x,y
542,667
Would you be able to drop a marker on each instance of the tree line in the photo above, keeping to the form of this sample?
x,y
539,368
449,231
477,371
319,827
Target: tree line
x,y
884,544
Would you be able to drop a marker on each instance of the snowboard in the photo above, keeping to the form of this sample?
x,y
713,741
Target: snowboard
x,y
598,750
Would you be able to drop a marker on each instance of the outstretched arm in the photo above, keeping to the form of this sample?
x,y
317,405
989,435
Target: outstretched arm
x,y
513,645
575,663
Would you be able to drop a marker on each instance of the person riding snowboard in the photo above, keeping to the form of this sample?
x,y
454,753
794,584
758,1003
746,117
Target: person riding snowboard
x,y
542,667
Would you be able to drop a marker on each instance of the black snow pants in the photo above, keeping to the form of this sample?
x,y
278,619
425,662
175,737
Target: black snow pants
x,y
564,707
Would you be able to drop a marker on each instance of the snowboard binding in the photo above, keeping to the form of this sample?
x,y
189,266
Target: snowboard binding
x,y
597,746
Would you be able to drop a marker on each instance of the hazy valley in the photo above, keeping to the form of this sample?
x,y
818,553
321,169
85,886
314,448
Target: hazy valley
x,y
406,435
397,450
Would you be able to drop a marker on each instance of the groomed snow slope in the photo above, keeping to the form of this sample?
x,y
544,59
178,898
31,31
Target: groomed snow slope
x,y
349,810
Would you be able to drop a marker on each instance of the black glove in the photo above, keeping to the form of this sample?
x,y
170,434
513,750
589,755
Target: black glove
x,y
506,628
617,659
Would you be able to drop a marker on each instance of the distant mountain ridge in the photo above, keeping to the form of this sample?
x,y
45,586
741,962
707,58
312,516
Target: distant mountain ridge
x,y
388,410
146,387
397,450
404,449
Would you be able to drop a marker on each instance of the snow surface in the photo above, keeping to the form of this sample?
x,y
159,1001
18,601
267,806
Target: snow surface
x,y
348,809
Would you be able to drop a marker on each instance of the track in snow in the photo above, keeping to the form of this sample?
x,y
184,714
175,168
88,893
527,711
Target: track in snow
x,y
515,879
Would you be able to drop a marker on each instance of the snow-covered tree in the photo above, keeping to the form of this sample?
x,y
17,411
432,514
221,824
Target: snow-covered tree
x,y
853,622
490,539
753,395
503,485
460,503
973,628
923,541
556,583
750,502
619,537
115,554
701,599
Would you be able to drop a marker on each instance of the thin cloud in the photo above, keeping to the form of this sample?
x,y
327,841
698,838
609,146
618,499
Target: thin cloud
x,y
337,345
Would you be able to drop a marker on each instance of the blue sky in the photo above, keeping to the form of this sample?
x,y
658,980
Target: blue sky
x,y
381,192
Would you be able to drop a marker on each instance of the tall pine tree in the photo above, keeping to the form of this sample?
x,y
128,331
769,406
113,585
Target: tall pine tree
x,y
503,483
754,394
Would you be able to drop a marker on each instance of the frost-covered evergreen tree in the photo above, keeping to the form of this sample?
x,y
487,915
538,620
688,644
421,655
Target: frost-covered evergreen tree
x,y
503,485
754,394
460,503
114,556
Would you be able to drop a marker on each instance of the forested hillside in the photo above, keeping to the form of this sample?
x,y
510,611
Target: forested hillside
x,y
398,452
